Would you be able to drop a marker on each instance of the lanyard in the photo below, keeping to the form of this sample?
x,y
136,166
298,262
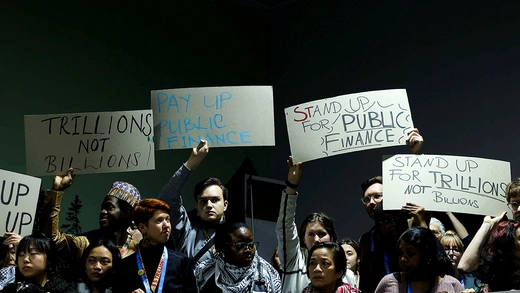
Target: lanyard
x,y
160,273
125,246
385,254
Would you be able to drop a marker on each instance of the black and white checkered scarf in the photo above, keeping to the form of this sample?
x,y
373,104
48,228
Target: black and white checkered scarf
x,y
232,279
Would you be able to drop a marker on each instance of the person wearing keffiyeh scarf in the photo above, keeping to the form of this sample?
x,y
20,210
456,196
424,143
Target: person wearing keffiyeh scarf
x,y
237,267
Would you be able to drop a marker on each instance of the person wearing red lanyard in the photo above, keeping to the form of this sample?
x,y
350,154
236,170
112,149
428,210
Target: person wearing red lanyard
x,y
425,268
154,268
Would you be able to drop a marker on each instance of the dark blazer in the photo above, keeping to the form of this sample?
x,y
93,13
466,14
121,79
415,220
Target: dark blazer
x,y
179,271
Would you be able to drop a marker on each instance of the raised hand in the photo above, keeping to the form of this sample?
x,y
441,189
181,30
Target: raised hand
x,y
62,182
420,216
415,141
197,155
293,177
11,238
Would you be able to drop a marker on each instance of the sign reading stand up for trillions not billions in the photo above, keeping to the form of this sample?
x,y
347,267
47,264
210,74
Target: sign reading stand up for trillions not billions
x,y
348,123
19,196
446,183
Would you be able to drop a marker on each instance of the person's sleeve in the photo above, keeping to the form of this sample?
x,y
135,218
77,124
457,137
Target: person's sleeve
x,y
171,194
287,233
467,240
50,226
190,283
387,285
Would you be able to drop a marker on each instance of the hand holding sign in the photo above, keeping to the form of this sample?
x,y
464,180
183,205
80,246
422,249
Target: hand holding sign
x,y
11,238
63,182
415,141
197,155
420,216
295,172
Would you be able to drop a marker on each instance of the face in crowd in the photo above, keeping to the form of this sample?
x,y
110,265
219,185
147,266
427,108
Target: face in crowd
x,y
352,257
392,224
158,228
410,259
372,196
241,248
326,266
454,252
111,215
33,258
314,234
211,204
436,231
98,263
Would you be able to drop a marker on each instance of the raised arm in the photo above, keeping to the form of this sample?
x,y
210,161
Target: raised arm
x,y
470,259
50,221
459,228
286,230
415,141
171,192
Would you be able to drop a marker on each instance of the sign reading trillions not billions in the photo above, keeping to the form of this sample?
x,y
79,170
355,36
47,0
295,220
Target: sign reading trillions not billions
x,y
224,116
348,123
99,142
18,199
446,183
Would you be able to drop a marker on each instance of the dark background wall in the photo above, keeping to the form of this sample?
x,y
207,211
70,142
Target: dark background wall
x,y
458,61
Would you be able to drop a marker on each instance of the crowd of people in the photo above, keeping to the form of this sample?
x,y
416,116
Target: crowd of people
x,y
155,245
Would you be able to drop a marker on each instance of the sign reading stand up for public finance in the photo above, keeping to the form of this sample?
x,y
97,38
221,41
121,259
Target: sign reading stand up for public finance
x,y
348,123
19,196
446,183
224,116
99,142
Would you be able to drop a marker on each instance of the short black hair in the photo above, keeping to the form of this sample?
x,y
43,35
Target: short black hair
x,y
369,182
338,255
199,187
222,235
116,259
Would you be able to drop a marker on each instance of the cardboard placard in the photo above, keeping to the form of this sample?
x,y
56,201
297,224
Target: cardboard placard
x,y
99,142
348,123
446,183
224,116
18,199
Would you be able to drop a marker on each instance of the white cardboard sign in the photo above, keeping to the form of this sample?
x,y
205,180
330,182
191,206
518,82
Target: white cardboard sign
x,y
446,183
224,116
18,199
348,123
98,142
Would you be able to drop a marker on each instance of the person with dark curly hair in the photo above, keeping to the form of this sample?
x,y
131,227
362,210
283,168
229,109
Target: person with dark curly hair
x,y
424,266
499,268
237,267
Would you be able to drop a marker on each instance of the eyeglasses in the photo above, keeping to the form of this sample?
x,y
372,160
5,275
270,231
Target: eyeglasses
x,y
244,245
453,249
389,220
375,196
513,206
